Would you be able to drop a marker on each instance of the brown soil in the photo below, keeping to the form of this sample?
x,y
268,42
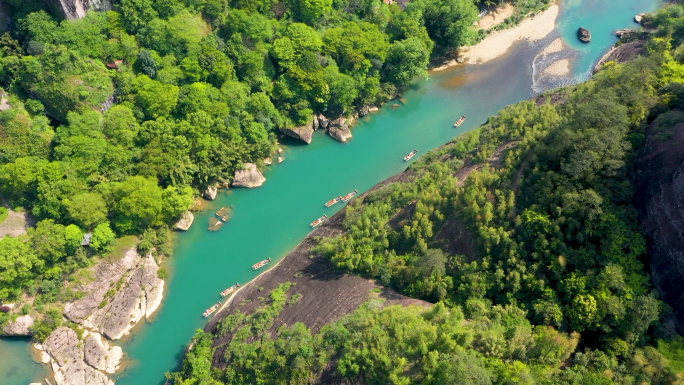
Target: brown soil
x,y
16,223
326,293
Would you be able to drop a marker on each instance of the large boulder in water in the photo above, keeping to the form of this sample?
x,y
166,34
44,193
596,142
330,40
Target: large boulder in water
x,y
303,133
323,122
185,222
584,35
19,327
339,129
249,177
210,192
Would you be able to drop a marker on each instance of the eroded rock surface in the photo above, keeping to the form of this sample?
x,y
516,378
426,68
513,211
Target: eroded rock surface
x,y
339,129
100,355
185,222
323,122
303,133
210,192
659,179
20,327
105,274
76,9
139,297
249,177
584,35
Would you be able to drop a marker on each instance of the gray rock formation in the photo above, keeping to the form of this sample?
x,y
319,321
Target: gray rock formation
x,y
100,355
363,111
139,297
339,129
323,121
620,33
76,9
659,181
20,327
210,192
185,221
622,53
250,177
62,345
303,133
584,35
639,18
105,276
66,352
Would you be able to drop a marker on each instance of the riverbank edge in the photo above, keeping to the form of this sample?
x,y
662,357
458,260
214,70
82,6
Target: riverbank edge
x,y
499,42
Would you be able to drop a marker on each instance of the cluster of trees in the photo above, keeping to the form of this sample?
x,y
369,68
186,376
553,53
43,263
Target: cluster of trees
x,y
117,119
540,243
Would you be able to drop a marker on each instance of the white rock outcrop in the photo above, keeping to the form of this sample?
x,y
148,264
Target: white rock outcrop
x,y
185,221
19,327
210,192
249,177
66,354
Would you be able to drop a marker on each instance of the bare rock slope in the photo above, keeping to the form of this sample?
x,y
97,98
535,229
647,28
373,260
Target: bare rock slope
x,y
659,179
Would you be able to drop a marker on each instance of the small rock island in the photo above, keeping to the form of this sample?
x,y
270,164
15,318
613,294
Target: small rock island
x,y
584,35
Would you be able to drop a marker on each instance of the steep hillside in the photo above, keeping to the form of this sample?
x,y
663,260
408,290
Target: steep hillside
x,y
659,176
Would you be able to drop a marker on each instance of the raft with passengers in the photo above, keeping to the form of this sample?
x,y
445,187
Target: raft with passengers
x,y
349,196
230,290
261,264
333,201
318,221
211,310
460,121
410,155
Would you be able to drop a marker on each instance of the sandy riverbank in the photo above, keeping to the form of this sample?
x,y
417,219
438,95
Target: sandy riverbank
x,y
559,68
496,17
498,43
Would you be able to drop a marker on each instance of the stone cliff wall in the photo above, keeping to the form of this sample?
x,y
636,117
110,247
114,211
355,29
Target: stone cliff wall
x,y
76,9
659,180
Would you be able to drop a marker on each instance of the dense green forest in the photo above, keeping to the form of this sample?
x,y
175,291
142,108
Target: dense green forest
x,y
117,120
535,261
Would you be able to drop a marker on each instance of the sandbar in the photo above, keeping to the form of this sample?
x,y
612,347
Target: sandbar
x,y
498,43
559,68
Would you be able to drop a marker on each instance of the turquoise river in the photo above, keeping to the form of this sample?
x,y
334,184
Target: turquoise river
x,y
271,220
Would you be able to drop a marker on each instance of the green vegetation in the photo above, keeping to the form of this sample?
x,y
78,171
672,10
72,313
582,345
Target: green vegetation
x,y
117,120
535,260
4,213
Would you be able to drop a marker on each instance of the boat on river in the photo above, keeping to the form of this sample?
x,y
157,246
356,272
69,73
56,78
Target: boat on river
x,y
349,196
333,201
261,264
318,221
410,155
460,121
229,290
211,310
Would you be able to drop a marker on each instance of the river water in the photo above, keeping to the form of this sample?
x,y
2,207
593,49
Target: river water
x,y
271,220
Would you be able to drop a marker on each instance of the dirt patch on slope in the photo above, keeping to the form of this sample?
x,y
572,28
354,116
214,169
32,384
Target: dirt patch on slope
x,y
326,293
16,223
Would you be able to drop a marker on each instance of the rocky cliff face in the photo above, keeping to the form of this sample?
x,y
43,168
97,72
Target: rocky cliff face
x,y
76,9
68,358
250,177
303,133
139,297
659,179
